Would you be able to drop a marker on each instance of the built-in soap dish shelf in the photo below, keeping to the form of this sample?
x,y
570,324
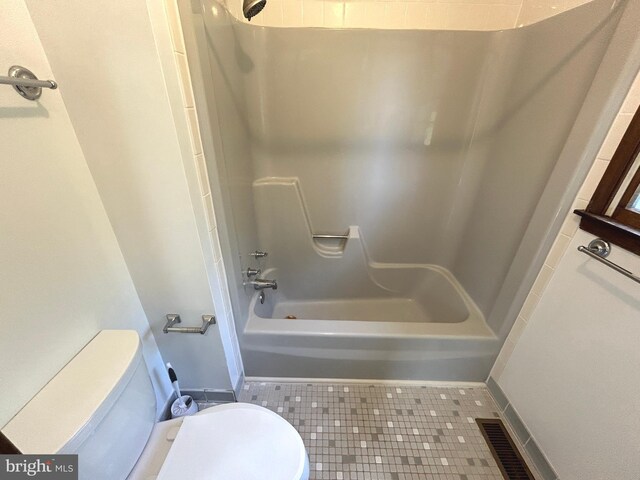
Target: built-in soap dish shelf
x,y
329,243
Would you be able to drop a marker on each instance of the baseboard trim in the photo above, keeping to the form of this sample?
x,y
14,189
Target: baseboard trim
x,y
418,383
519,430
212,395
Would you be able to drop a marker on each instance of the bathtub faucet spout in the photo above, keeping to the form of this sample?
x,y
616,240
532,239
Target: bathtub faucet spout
x,y
261,284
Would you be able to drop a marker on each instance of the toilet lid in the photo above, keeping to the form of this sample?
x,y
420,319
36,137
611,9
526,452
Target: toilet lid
x,y
237,441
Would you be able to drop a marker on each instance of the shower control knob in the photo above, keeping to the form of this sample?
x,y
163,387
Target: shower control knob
x,y
252,272
258,254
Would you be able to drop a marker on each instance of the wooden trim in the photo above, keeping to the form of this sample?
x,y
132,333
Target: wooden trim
x,y
632,188
627,217
618,168
6,447
609,229
623,227
622,213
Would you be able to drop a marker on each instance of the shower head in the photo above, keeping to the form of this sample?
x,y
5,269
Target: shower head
x,y
250,8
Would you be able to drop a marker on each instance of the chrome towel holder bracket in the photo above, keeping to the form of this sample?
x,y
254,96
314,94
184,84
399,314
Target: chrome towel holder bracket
x,y
599,249
173,318
26,83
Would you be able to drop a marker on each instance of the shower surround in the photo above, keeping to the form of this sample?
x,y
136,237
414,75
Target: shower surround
x,y
427,150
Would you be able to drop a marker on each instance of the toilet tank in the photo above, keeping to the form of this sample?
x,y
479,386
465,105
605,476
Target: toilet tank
x,y
101,405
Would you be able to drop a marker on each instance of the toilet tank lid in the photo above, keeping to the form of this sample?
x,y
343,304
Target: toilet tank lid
x,y
68,408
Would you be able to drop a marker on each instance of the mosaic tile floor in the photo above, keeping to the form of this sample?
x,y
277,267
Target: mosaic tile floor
x,y
382,432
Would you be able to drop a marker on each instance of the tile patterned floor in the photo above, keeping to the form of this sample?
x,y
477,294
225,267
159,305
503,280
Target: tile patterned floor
x,y
382,432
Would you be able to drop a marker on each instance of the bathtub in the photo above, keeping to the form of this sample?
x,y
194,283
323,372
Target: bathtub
x,y
434,146
410,322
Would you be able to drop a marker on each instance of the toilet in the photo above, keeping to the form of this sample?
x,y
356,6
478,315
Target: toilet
x,y
101,405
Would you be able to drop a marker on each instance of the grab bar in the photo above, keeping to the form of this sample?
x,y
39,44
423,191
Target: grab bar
x,y
599,249
173,318
328,236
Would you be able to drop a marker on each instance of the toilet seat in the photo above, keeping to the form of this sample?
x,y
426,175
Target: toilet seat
x,y
237,441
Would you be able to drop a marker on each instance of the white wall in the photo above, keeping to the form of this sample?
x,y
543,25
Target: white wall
x,y
570,364
63,275
106,57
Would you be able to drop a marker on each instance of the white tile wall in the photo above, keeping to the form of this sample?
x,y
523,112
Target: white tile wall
x,y
533,11
391,14
400,14
570,226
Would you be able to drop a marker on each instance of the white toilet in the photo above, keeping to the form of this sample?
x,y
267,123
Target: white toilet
x,y
101,405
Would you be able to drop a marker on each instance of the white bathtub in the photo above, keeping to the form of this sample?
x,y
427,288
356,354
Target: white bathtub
x,y
408,322
355,317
